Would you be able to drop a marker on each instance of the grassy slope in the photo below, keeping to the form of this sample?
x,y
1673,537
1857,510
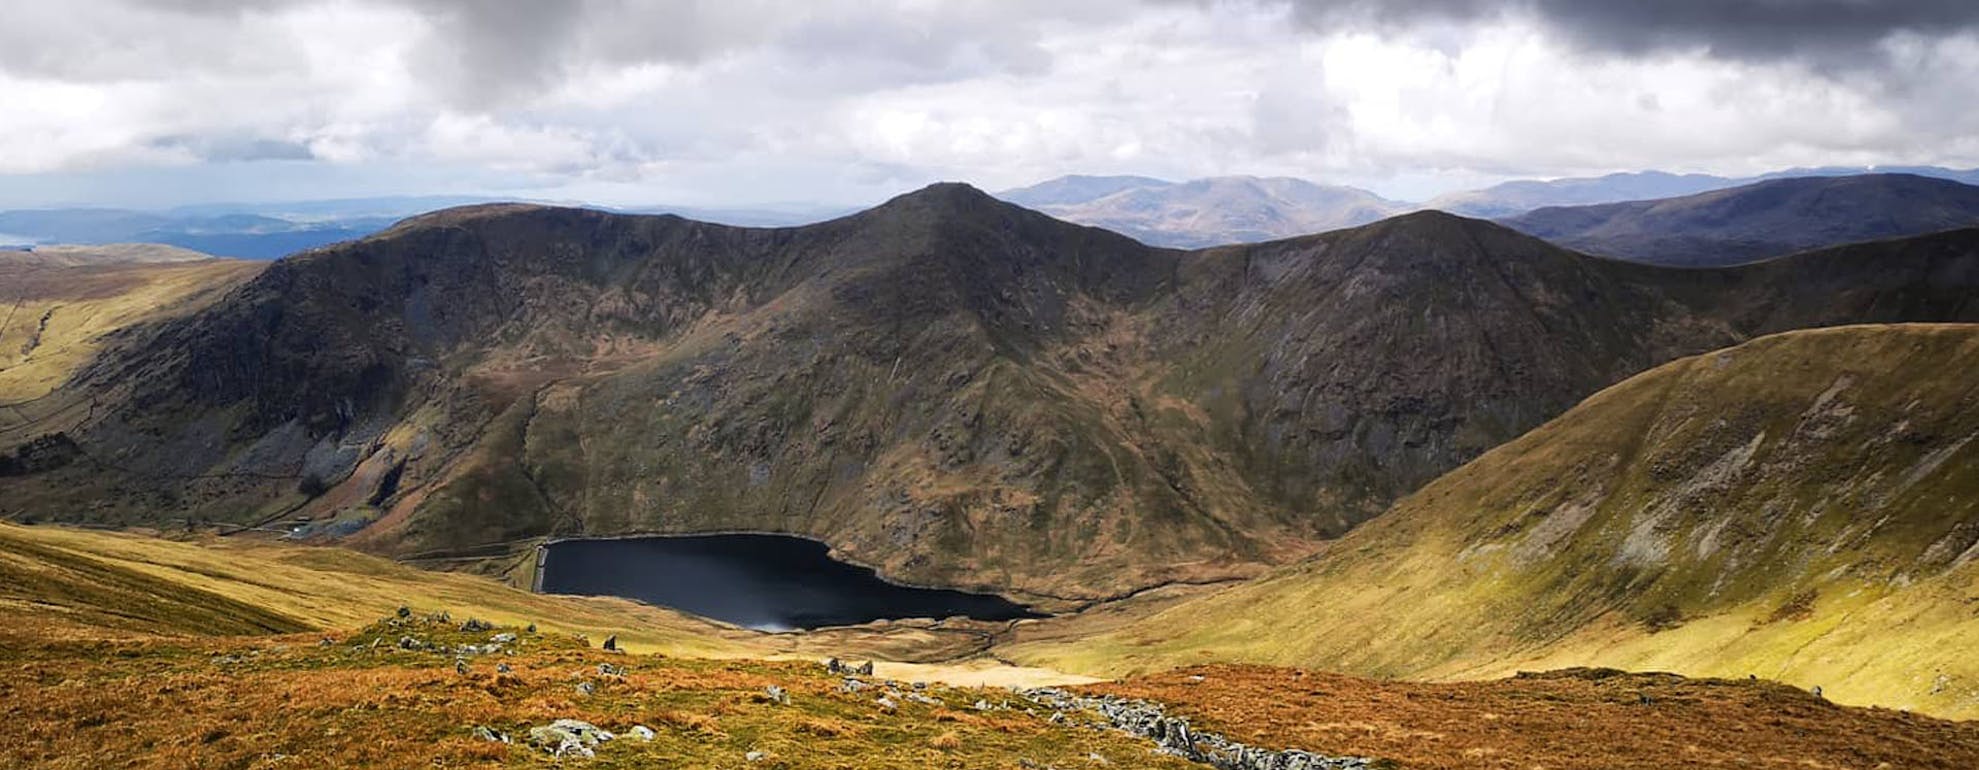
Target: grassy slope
x,y
81,583
89,584
1801,507
80,303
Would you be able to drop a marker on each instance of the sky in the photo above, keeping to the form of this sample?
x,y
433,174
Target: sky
x,y
841,102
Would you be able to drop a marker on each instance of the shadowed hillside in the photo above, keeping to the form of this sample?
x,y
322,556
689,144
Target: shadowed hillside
x,y
952,389
1801,507
1761,220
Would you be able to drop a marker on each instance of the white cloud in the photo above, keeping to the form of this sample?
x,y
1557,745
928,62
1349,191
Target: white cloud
x,y
717,101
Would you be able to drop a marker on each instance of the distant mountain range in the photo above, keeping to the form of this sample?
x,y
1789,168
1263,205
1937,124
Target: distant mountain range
x,y
1222,210
1518,197
1205,212
1192,214
1760,220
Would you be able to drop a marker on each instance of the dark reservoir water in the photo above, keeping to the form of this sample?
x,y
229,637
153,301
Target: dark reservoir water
x,y
760,581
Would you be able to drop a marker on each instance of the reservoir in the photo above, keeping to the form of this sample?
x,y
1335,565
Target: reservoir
x,y
768,582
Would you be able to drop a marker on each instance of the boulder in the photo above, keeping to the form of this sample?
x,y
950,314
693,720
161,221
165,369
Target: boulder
x,y
569,737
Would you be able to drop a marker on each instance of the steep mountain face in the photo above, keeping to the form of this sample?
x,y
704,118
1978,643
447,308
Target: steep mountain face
x,y
952,389
1206,212
1802,507
1761,220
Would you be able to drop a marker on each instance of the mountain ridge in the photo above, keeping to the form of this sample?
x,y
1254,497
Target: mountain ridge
x,y
952,389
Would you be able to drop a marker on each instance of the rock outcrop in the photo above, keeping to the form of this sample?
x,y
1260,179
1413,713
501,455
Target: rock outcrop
x,y
1173,734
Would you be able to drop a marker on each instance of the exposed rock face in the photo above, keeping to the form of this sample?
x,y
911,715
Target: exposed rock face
x,y
952,389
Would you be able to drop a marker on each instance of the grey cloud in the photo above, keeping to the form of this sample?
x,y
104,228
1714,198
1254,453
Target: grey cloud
x,y
493,51
223,149
1829,32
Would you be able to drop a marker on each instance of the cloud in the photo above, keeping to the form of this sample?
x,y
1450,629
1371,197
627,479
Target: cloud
x,y
731,101
1833,32
231,149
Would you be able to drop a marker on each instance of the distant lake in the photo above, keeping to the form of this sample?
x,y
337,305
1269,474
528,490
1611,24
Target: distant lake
x,y
769,582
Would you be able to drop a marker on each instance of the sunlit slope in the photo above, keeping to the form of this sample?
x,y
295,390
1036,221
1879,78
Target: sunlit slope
x,y
55,307
66,582
1802,507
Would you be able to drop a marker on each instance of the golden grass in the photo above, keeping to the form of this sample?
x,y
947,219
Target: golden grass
x,y
81,303
311,587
